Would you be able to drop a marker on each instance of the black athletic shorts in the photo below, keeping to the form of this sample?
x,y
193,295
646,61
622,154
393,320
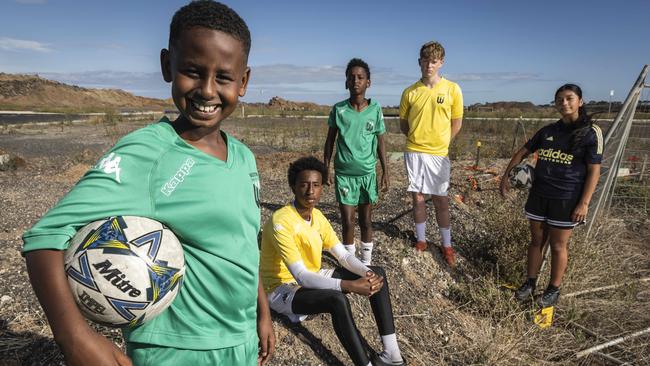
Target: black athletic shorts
x,y
554,212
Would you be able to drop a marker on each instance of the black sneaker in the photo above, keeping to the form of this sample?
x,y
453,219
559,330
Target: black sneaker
x,y
549,297
526,290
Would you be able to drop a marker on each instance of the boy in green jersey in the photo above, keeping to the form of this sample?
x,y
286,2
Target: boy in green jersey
x,y
359,125
200,182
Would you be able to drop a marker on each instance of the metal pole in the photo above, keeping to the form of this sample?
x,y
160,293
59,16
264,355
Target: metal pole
x,y
604,189
621,149
612,342
639,83
609,109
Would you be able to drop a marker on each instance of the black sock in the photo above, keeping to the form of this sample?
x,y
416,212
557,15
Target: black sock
x,y
552,288
532,281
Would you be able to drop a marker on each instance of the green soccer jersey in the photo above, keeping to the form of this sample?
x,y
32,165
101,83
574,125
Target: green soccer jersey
x,y
211,205
356,144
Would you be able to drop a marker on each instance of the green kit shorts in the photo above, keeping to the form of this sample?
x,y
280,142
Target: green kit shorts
x,y
353,191
153,355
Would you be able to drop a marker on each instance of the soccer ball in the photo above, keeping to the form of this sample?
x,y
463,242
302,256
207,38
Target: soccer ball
x,y
124,270
521,176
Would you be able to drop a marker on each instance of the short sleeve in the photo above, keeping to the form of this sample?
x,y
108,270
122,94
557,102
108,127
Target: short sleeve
x,y
594,147
331,120
284,242
457,107
380,126
405,105
117,185
533,144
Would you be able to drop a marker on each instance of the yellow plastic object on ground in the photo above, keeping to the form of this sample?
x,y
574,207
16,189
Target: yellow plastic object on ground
x,y
544,317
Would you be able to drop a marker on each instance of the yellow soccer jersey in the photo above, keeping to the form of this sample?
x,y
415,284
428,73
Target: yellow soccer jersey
x,y
287,238
429,112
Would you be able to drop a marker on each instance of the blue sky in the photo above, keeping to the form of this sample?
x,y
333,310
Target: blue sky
x,y
496,50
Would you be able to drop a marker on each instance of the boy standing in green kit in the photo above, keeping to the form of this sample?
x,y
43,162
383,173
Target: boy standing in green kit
x,y
221,314
359,124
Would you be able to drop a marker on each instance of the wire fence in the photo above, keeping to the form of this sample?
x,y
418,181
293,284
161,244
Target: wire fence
x,y
623,189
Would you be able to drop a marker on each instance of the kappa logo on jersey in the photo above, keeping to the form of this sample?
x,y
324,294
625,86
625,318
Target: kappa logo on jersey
x,y
110,164
178,178
555,156
440,99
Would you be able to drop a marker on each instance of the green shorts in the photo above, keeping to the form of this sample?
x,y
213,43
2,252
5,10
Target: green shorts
x,y
353,191
143,354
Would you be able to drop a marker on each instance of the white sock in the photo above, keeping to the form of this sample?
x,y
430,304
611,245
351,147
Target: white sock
x,y
391,348
446,237
350,248
420,231
366,253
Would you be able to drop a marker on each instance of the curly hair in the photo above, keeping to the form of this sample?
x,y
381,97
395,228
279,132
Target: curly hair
x,y
357,62
306,163
212,15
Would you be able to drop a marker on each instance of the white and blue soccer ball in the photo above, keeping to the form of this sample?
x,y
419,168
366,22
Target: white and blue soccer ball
x,y
124,270
521,176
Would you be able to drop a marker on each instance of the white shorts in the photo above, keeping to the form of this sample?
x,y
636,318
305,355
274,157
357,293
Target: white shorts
x,y
281,298
428,174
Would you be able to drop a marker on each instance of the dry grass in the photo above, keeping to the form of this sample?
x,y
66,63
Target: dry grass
x,y
443,317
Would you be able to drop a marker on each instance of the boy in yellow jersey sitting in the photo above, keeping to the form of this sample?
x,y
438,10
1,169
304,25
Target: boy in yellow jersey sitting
x,y
293,241
431,112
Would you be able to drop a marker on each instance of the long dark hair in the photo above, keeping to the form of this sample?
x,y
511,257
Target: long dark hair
x,y
584,122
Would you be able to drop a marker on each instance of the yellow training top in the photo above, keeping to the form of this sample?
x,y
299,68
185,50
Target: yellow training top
x,y
429,112
287,238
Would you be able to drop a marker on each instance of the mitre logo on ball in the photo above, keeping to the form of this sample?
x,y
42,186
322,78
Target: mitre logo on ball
x,y
124,270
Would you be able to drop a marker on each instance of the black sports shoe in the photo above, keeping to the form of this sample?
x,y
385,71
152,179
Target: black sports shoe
x,y
549,297
526,290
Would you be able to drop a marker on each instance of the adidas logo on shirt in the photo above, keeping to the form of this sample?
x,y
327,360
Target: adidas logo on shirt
x,y
550,138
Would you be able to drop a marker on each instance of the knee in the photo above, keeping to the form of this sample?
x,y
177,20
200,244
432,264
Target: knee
x,y
378,270
418,198
558,248
536,242
339,303
440,202
365,223
347,221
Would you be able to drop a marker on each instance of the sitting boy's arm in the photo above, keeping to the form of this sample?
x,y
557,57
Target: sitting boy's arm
x,y
80,344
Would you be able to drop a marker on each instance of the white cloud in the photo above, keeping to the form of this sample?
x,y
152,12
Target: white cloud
x,y
12,44
31,2
494,76
295,74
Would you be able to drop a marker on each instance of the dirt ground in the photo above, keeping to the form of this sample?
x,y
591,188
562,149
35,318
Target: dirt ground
x,y
435,324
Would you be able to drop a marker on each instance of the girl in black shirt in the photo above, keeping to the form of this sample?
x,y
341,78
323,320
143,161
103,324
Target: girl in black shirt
x,y
565,177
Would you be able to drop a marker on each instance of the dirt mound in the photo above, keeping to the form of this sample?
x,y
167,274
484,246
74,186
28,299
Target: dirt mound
x,y
287,105
33,92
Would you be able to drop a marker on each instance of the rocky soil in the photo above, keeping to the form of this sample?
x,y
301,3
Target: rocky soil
x,y
432,324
